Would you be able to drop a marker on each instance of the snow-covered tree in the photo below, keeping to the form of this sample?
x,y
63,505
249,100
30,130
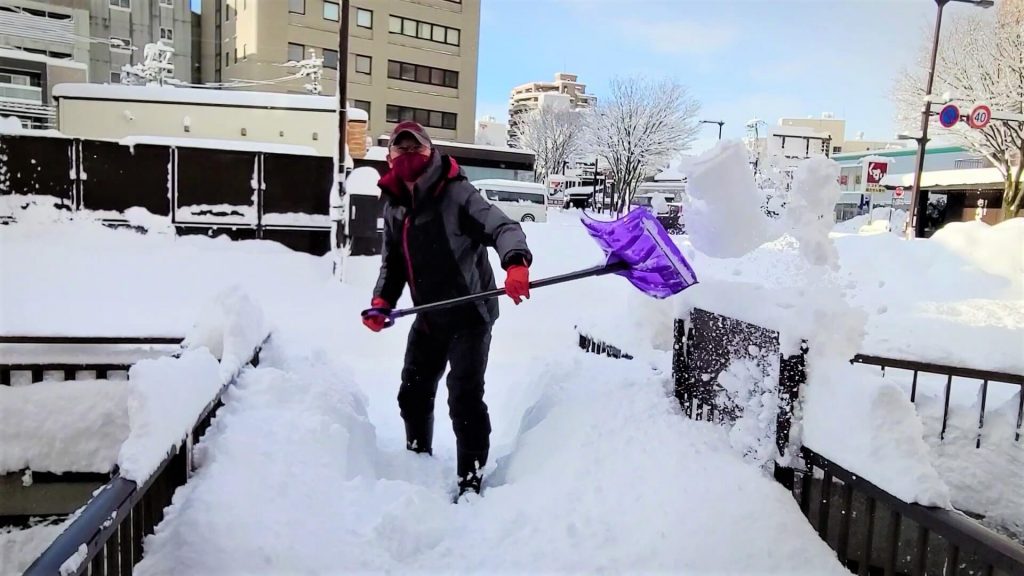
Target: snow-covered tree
x,y
639,127
980,59
553,134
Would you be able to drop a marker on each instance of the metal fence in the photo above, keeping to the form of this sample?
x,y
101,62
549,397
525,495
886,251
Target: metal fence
x,y
595,346
122,513
240,194
964,376
872,531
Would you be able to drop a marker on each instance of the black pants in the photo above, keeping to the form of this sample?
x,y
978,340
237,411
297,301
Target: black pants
x,y
429,350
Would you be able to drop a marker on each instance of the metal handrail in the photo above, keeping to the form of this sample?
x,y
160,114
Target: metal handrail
x,y
105,513
961,532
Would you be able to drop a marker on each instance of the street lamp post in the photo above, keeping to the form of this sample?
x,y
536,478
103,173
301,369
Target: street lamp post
x,y
720,124
919,201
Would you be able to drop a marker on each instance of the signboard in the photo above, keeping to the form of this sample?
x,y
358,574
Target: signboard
x,y
844,180
876,171
979,117
949,116
898,192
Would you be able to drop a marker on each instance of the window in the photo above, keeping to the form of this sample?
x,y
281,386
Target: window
x,y
245,51
423,30
331,59
364,18
169,3
167,34
297,6
423,74
126,4
296,51
115,77
120,43
363,64
227,61
837,149
362,105
236,55
331,11
429,118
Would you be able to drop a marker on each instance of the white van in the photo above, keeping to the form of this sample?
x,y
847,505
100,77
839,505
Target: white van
x,y
520,201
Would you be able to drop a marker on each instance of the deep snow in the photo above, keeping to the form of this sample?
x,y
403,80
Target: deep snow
x,y
593,467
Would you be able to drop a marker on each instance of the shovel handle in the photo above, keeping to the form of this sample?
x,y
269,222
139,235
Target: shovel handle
x,y
392,315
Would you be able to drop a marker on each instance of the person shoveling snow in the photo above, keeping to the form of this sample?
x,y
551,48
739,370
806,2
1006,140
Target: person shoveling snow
x,y
437,228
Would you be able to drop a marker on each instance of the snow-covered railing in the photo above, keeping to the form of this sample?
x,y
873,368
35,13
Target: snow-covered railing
x,y
38,366
595,346
106,535
970,374
872,531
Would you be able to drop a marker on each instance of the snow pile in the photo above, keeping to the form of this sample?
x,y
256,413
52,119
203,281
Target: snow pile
x,y
983,479
998,250
74,426
20,547
722,207
880,220
870,428
231,327
363,181
10,125
167,396
810,212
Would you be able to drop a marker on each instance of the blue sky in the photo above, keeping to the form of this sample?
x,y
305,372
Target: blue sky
x,y
739,58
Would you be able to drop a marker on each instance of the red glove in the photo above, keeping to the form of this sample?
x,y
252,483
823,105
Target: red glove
x,y
376,322
517,283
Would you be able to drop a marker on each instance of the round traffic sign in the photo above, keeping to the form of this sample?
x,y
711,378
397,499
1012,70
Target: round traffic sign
x,y
949,116
979,117
898,193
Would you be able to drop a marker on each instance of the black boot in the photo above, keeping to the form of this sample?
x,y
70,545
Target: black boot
x,y
469,468
419,436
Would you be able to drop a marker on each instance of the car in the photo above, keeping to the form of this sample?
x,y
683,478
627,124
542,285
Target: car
x,y
520,201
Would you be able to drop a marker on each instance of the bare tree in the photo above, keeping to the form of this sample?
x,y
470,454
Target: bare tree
x,y
553,134
639,128
980,59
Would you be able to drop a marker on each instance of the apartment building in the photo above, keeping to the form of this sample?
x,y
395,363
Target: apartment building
x,y
408,59
102,34
565,91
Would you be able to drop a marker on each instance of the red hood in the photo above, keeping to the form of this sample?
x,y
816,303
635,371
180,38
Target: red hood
x,y
391,185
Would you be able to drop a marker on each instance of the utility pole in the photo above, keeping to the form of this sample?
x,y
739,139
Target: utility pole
x,y
919,201
340,222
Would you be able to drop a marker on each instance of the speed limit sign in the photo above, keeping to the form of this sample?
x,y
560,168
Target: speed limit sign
x,y
979,117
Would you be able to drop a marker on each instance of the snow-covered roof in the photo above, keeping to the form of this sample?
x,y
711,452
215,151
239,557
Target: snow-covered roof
x,y
30,57
214,144
179,95
947,178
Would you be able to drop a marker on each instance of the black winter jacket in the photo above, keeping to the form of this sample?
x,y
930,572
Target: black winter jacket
x,y
436,239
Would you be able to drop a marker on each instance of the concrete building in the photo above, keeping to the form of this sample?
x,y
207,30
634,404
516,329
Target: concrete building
x,y
26,85
103,34
407,60
835,128
235,119
490,132
566,90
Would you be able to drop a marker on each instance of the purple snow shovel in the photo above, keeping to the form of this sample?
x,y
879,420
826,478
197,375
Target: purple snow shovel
x,y
636,246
